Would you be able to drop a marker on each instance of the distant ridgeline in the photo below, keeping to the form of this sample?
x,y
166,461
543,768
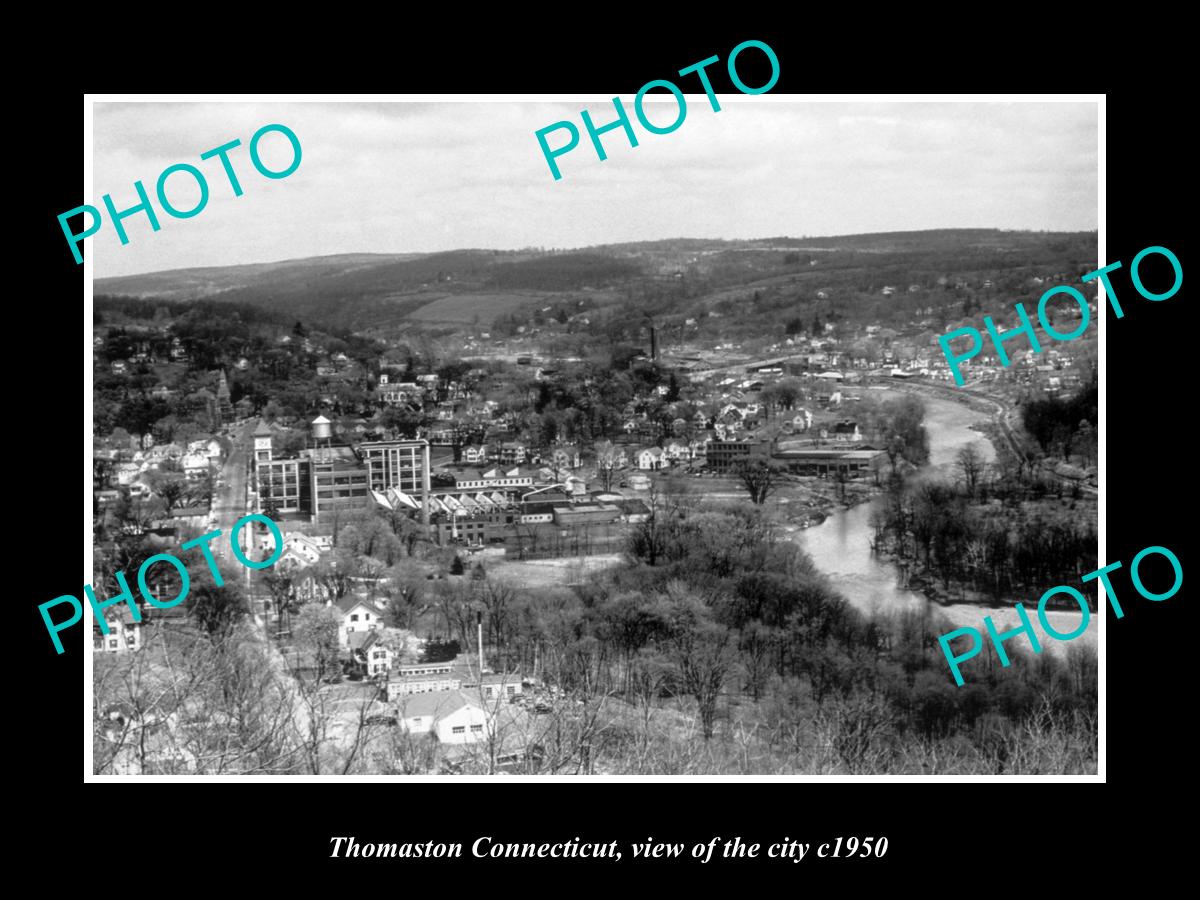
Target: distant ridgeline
x,y
732,288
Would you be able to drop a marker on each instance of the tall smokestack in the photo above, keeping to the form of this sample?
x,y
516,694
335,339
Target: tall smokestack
x,y
425,485
479,632
654,343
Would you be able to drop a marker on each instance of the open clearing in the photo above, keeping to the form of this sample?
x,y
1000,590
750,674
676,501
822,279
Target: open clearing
x,y
552,572
466,307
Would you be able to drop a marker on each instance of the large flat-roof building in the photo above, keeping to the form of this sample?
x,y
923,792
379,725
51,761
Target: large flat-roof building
x,y
825,462
723,455
326,476
403,465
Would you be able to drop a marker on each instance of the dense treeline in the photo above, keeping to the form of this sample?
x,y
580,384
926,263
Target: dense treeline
x,y
718,649
982,535
755,286
107,306
721,624
562,272
1058,425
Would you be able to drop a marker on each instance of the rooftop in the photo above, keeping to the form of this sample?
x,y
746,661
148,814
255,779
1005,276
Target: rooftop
x,y
433,703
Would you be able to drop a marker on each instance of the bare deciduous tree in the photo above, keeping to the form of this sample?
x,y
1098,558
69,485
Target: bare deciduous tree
x,y
758,477
970,464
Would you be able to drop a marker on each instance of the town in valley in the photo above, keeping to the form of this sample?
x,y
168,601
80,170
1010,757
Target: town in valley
x,y
560,511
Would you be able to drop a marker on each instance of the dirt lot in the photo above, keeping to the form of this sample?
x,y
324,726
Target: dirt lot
x,y
552,572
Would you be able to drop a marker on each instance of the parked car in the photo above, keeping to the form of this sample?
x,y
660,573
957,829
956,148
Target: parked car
x,y
383,720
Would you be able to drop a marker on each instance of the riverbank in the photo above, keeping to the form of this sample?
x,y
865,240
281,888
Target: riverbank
x,y
874,583
818,506
957,593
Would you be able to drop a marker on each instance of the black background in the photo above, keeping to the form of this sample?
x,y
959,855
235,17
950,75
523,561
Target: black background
x,y
961,834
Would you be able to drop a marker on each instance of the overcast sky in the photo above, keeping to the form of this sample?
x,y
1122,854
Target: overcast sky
x,y
419,177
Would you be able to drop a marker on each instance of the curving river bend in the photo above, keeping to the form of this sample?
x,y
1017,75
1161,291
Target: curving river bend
x,y
840,546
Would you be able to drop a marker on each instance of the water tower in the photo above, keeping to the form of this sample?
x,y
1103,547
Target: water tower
x,y
322,431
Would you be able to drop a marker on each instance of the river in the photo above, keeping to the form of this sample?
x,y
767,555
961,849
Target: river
x,y
840,546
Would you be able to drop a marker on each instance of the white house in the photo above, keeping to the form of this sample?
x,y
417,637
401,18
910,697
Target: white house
x,y
676,450
476,453
210,448
195,465
127,473
124,634
300,551
358,614
651,458
367,650
455,717
166,451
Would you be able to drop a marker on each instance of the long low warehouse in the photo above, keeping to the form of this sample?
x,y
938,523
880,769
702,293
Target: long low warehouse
x,y
823,462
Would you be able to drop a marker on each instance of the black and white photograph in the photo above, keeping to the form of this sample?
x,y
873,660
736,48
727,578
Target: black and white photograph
x,y
523,437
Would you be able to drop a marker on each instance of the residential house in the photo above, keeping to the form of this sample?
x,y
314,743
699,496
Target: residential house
x,y
127,473
512,453
566,457
368,652
310,589
358,615
475,454
299,551
650,458
678,450
124,633
195,465
453,716
166,451
846,430
210,448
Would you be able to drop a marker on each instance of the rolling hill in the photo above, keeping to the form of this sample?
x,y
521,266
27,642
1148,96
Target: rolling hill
x,y
755,281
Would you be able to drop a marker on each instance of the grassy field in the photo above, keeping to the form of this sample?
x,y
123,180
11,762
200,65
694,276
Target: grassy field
x,y
460,308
